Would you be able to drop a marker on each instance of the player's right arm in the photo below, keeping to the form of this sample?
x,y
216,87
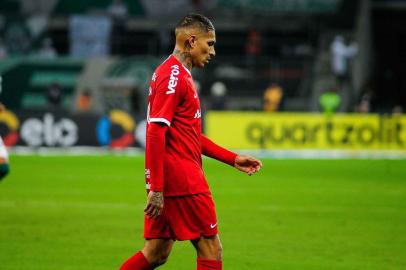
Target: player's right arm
x,y
155,159
166,93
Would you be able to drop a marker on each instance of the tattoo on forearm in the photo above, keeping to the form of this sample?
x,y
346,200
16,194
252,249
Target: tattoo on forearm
x,y
157,199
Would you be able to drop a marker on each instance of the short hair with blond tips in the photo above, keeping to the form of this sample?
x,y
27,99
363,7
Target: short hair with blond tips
x,y
195,20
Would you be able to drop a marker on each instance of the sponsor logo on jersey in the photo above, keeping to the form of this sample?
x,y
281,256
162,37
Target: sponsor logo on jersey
x,y
173,80
213,225
154,77
198,114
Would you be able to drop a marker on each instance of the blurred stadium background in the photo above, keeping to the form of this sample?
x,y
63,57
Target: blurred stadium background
x,y
292,79
76,74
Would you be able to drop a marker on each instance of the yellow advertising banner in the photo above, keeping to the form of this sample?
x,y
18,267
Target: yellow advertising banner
x,y
259,130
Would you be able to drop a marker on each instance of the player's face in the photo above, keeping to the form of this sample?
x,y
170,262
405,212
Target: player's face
x,y
203,50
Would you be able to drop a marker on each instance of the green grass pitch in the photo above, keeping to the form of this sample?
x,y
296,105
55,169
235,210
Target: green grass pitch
x,y
85,213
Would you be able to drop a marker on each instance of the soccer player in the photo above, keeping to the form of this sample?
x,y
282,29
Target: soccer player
x,y
4,167
179,203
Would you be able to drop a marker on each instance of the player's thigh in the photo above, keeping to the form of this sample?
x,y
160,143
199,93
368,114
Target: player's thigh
x,y
157,249
208,247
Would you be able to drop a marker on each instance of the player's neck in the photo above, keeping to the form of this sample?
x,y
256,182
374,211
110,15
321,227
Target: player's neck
x,y
184,57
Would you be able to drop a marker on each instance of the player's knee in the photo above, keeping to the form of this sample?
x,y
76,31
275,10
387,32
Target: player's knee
x,y
158,259
210,249
4,170
162,260
156,256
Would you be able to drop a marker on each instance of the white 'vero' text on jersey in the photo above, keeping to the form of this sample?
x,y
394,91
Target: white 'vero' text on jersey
x,y
173,80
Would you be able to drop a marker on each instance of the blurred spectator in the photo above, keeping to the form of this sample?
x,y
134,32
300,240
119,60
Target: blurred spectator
x,y
117,9
330,101
218,96
397,110
273,98
47,50
364,106
3,50
90,36
340,56
54,95
84,101
253,48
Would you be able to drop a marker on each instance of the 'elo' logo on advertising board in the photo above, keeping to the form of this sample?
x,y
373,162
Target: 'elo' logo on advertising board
x,y
37,132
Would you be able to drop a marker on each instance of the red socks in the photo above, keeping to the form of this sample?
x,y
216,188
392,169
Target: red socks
x,y
139,262
206,264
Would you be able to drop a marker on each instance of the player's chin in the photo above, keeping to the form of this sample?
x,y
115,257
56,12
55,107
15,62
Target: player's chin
x,y
204,63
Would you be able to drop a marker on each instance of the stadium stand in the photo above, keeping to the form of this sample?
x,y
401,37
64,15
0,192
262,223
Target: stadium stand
x,y
293,39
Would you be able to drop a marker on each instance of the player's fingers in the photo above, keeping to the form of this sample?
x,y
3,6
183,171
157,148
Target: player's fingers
x,y
151,213
147,207
155,213
160,211
253,160
255,169
149,210
258,163
246,170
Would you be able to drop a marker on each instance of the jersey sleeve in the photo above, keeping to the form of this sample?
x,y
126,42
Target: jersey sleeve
x,y
154,160
169,92
210,149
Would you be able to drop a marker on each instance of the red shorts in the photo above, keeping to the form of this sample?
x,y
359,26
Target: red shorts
x,y
184,218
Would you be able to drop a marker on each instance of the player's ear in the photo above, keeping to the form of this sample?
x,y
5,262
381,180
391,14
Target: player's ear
x,y
191,42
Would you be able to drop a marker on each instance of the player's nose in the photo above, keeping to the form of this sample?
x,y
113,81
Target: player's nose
x,y
212,53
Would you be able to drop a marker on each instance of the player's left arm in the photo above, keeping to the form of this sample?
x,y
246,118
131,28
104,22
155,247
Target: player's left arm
x,y
247,164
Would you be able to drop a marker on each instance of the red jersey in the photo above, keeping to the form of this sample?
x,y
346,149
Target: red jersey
x,y
173,100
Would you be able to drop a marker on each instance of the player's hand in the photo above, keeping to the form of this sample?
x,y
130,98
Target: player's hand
x,y
155,204
247,164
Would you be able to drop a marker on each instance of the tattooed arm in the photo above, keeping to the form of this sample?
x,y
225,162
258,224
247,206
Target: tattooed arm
x,y
155,204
